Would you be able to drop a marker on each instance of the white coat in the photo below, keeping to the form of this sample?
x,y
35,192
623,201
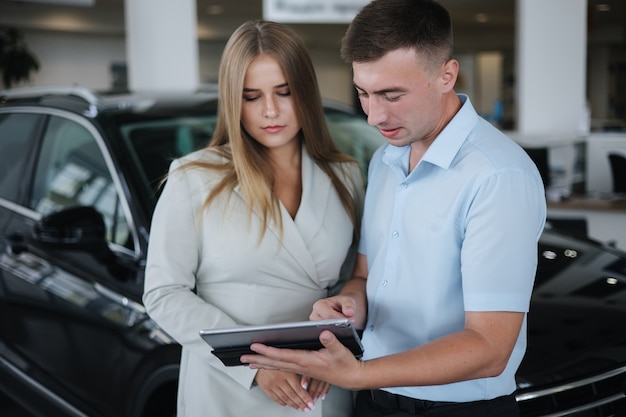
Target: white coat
x,y
211,268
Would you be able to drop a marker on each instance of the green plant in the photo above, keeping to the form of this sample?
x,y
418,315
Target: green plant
x,y
17,62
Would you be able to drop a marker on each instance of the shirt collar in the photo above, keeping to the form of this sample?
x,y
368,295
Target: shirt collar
x,y
447,144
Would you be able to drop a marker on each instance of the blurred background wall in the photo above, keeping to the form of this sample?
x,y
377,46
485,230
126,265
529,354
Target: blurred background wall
x,y
88,45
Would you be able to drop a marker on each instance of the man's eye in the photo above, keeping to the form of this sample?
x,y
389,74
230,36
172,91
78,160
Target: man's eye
x,y
392,98
361,94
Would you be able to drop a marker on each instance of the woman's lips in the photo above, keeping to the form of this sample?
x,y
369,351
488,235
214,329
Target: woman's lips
x,y
273,129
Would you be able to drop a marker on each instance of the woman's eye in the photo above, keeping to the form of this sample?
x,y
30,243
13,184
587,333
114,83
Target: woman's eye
x,y
285,93
248,98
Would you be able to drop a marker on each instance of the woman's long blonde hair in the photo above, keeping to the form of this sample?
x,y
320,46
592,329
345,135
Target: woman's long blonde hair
x,y
246,160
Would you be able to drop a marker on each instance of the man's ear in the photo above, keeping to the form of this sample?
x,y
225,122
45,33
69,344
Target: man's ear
x,y
449,74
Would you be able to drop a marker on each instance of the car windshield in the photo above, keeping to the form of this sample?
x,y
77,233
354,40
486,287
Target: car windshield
x,y
153,144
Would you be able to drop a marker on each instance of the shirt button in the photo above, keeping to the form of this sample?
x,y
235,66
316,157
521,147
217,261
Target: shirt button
x,y
395,234
404,186
384,283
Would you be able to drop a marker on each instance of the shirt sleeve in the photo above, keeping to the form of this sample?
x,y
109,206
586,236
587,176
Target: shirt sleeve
x,y
499,253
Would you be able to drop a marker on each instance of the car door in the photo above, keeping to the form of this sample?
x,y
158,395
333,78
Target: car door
x,y
70,315
17,132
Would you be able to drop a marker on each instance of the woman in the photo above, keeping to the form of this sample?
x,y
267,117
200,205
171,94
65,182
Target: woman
x,y
254,228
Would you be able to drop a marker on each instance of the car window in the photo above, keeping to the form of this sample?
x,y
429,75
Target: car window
x,y
354,136
15,132
154,144
71,171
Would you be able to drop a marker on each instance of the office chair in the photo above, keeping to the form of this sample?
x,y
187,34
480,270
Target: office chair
x,y
618,171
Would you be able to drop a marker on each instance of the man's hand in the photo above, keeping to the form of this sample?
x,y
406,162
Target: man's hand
x,y
339,306
334,363
351,303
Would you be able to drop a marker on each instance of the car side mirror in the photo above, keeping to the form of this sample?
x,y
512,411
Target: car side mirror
x,y
74,228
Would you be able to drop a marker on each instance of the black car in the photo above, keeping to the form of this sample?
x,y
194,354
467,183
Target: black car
x,y
79,177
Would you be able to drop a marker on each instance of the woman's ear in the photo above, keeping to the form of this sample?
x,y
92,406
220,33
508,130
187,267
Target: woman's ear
x,y
449,74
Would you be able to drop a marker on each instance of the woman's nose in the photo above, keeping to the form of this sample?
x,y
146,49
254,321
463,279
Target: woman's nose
x,y
270,110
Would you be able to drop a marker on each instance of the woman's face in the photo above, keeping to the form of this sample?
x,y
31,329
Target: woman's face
x,y
267,110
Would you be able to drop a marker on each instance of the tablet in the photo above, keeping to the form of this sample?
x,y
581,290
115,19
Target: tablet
x,y
229,344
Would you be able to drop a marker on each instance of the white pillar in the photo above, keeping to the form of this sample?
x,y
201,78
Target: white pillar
x,y
551,68
489,72
162,45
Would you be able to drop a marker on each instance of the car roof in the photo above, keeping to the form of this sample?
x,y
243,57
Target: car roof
x,y
90,103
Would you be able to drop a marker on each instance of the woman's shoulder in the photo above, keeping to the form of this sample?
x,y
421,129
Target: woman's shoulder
x,y
205,155
201,165
202,158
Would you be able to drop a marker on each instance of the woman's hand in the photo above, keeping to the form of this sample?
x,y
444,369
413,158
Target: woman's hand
x,y
286,389
317,389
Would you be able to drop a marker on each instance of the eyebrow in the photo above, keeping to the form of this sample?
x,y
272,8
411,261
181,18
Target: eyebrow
x,y
250,90
384,90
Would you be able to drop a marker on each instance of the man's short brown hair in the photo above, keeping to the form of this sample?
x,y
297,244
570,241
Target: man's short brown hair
x,y
386,25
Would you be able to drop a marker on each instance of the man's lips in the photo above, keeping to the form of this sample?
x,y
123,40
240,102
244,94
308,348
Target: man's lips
x,y
389,133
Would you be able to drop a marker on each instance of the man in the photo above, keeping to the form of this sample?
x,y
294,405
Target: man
x,y
448,255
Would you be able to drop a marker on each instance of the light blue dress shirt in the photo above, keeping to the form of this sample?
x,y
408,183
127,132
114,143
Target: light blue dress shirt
x,y
459,233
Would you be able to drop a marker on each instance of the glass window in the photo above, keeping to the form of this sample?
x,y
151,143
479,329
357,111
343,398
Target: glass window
x,y
71,171
354,136
154,144
16,131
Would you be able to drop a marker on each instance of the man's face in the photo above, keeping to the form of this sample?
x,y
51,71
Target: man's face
x,y
401,97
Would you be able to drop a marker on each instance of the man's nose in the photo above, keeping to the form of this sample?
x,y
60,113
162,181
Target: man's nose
x,y
376,112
